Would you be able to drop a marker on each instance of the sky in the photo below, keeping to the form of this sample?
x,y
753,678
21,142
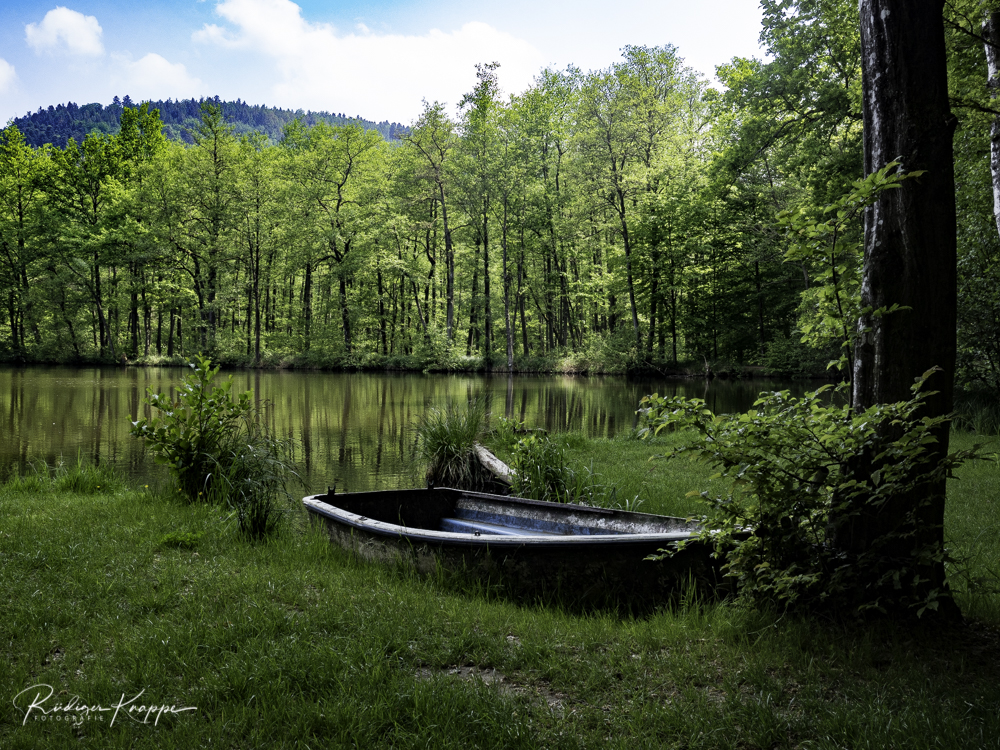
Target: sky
x,y
378,59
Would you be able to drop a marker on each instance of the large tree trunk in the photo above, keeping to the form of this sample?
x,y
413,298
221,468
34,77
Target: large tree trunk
x,y
910,255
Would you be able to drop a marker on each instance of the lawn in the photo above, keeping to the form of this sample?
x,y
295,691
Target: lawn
x,y
117,596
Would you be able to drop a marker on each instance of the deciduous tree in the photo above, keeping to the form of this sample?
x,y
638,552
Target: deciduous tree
x,y
910,258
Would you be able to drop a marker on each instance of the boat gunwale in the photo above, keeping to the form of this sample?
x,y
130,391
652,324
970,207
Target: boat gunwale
x,y
319,505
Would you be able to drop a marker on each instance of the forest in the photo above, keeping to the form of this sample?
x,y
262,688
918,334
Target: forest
x,y
616,220
55,125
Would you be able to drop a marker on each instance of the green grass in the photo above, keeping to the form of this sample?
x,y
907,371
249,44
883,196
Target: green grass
x,y
292,643
972,530
636,469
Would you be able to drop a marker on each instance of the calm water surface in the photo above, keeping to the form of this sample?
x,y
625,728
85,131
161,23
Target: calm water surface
x,y
355,429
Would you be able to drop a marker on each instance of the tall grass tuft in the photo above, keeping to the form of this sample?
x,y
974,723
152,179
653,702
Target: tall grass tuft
x,y
251,476
542,472
35,482
446,440
80,478
87,479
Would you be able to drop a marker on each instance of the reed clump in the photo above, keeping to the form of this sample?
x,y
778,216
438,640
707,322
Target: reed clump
x,y
446,443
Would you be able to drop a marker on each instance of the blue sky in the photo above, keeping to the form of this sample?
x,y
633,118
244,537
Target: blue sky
x,y
374,58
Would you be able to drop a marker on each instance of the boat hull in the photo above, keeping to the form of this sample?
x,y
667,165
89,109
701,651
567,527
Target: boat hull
x,y
532,549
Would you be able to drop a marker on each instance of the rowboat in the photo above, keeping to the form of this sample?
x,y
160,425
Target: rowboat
x,y
587,555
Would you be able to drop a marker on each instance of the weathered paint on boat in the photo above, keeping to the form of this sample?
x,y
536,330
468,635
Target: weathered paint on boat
x,y
530,547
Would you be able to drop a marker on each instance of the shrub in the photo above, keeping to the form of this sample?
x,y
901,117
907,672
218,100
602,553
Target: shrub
x,y
188,434
788,356
614,352
218,448
792,462
504,434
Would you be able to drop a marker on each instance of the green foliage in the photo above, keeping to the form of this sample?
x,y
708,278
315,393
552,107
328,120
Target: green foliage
x,y
978,411
831,249
542,472
797,116
611,221
973,98
218,449
978,365
613,352
792,464
446,440
504,434
189,433
789,356
435,353
334,249
57,124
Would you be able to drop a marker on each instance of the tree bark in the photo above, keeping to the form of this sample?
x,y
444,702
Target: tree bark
x,y
991,34
505,268
449,260
487,313
910,246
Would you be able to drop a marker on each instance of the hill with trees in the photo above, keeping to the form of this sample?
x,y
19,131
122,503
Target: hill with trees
x,y
57,124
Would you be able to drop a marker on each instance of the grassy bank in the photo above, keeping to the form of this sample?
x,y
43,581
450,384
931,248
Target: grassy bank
x,y
112,592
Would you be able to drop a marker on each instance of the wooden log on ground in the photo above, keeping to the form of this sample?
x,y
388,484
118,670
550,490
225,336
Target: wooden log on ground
x,y
500,471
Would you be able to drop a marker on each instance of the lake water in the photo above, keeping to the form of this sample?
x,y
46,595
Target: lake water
x,y
355,429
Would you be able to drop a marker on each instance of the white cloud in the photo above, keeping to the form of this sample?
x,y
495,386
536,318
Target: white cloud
x,y
213,34
155,77
7,75
67,28
378,75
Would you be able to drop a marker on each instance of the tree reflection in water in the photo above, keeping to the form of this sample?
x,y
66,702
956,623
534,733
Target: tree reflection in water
x,y
355,429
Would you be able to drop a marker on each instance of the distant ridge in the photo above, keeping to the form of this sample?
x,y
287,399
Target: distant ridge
x,y
57,124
